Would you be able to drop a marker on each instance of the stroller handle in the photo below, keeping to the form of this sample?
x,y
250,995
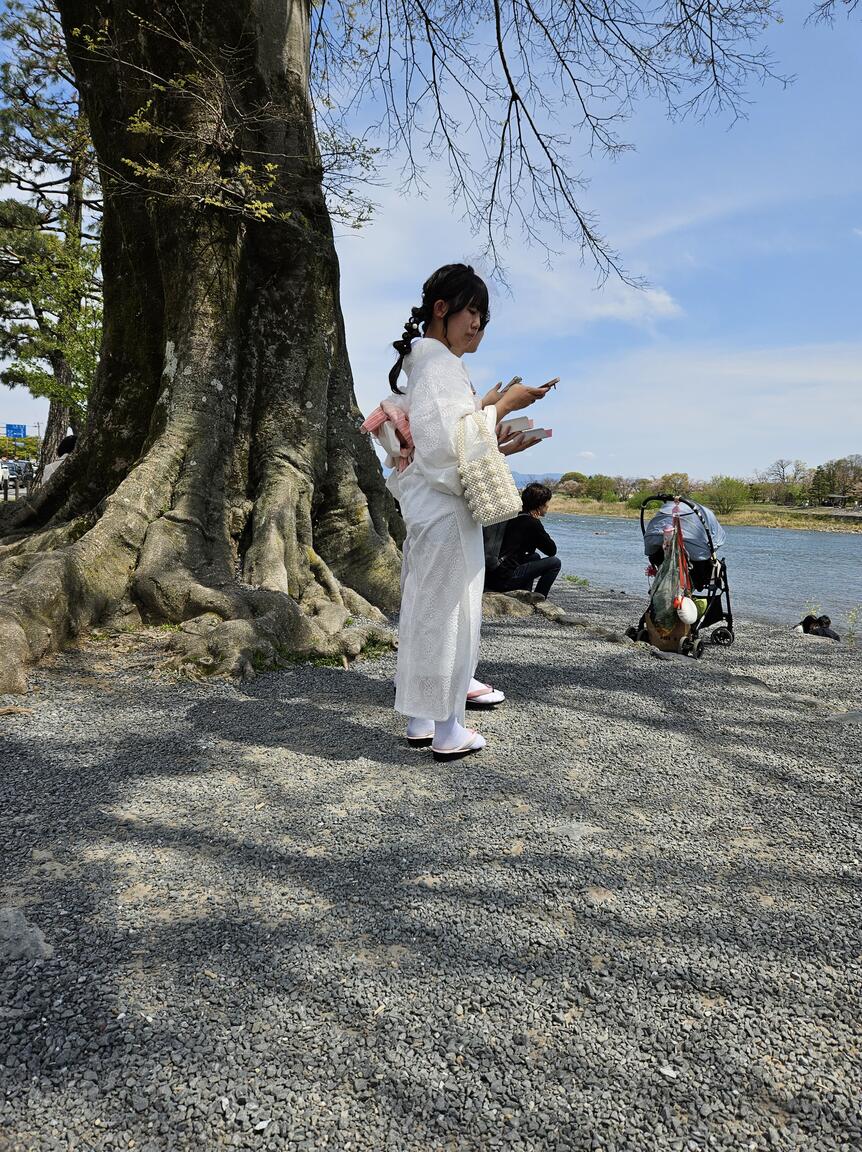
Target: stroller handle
x,y
664,498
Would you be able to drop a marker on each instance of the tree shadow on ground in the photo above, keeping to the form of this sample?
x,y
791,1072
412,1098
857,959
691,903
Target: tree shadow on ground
x,y
289,906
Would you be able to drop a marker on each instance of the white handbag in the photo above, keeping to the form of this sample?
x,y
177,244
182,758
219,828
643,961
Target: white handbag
x,y
486,479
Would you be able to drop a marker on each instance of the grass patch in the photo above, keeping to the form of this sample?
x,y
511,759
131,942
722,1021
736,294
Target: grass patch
x,y
578,581
316,661
374,649
575,507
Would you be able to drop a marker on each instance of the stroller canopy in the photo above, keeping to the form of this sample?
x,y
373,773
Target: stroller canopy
x,y
693,531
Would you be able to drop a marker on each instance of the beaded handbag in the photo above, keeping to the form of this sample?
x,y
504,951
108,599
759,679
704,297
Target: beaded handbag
x,y
489,488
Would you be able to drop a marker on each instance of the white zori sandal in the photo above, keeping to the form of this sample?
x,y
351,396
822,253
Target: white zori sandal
x,y
473,743
481,696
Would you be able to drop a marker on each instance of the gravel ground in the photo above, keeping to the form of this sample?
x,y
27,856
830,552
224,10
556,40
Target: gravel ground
x,y
631,923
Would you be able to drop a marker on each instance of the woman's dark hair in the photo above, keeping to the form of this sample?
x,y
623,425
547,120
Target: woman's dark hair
x,y
460,287
534,496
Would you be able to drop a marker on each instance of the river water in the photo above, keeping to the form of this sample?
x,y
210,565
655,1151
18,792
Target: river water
x,y
775,574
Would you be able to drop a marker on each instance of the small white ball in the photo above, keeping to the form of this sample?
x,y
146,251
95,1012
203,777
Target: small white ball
x,y
687,611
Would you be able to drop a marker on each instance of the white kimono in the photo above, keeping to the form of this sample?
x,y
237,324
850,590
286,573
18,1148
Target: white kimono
x,y
443,572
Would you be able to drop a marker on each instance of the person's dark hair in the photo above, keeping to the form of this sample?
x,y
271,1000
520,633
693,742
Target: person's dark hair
x,y
534,496
810,621
66,445
460,287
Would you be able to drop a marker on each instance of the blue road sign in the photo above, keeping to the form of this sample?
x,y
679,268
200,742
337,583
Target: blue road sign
x,y
16,431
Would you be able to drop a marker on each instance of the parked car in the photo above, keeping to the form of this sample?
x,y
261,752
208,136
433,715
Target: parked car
x,y
23,469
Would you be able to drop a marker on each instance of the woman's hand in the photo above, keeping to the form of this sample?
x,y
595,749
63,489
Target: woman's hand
x,y
517,443
520,396
496,393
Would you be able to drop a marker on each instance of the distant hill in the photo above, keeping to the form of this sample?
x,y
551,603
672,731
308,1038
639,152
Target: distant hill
x,y
522,479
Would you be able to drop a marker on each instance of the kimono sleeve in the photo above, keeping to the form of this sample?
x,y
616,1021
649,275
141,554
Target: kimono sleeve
x,y
440,399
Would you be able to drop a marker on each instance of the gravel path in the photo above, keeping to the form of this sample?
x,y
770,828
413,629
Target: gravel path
x,y
631,924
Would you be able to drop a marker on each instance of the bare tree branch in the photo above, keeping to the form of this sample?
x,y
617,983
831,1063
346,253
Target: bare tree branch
x,y
506,89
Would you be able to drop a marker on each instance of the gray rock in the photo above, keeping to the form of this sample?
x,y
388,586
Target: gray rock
x,y
19,939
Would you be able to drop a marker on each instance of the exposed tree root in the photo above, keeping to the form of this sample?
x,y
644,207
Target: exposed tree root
x,y
150,558
281,632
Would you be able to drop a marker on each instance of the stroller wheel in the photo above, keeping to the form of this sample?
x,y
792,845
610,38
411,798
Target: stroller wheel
x,y
632,633
722,636
684,646
697,649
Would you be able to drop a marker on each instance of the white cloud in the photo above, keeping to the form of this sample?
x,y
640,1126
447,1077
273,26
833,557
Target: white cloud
x,y
857,231
384,265
685,217
708,410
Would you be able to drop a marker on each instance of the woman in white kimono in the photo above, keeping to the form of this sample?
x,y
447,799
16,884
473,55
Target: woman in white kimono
x,y
444,561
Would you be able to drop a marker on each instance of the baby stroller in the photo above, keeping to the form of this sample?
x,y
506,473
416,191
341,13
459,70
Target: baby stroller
x,y
700,535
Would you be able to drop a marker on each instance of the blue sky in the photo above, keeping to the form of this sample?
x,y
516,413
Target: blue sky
x,y
747,345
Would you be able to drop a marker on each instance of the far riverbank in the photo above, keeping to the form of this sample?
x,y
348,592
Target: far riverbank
x,y
752,516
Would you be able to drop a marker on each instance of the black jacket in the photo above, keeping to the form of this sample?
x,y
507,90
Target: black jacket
x,y
523,536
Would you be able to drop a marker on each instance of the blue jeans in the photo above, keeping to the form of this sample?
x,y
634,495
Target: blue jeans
x,y
542,569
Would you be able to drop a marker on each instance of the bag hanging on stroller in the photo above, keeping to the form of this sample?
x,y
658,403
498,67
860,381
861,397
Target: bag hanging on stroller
x,y
671,611
690,532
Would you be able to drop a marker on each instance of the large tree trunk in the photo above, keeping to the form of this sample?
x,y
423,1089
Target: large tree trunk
x,y
222,480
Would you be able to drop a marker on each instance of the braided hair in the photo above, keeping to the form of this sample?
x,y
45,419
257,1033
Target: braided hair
x,y
456,284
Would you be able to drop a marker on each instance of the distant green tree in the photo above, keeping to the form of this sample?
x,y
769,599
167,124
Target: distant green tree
x,y
786,481
846,472
577,477
26,449
644,489
600,487
50,311
674,483
757,492
49,253
725,494
822,483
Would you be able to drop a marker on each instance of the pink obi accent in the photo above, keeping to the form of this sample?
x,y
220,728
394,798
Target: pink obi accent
x,y
388,419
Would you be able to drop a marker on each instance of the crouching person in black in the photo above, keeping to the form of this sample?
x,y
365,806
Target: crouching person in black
x,y
519,564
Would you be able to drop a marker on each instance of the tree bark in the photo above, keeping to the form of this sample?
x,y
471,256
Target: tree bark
x,y
222,481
